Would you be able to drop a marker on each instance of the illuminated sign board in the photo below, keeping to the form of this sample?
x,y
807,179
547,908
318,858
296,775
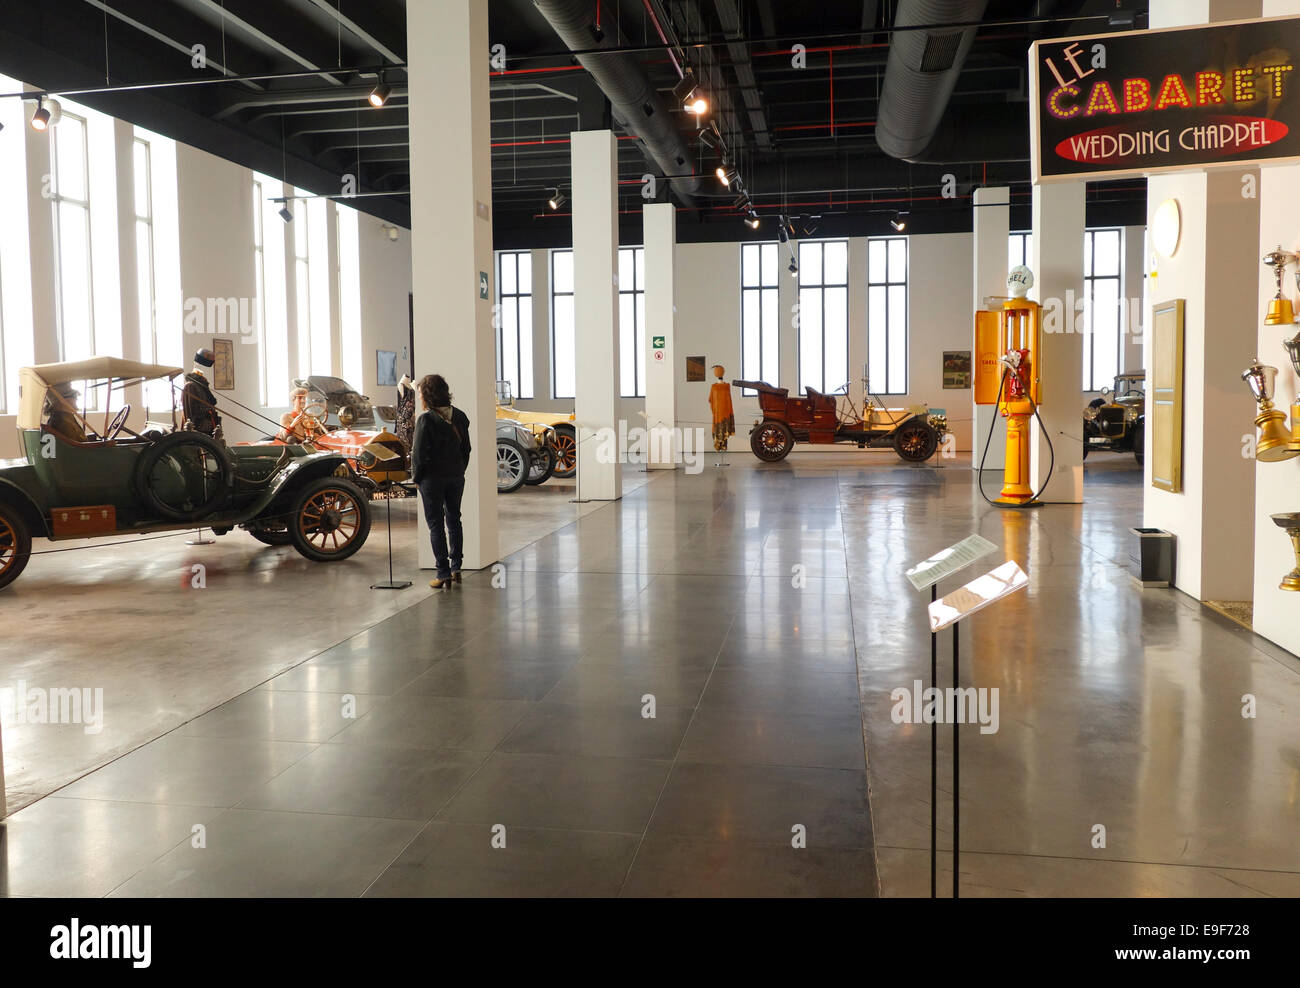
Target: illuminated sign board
x,y
1132,103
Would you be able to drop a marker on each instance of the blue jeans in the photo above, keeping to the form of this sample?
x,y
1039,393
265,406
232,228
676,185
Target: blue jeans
x,y
441,497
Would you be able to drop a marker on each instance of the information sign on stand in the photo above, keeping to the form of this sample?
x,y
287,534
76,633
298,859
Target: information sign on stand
x,y
928,573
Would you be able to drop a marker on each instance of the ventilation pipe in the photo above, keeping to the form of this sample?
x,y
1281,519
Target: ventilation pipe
x,y
636,103
921,73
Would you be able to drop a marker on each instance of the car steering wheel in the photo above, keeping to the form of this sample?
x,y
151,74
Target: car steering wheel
x,y
118,423
316,409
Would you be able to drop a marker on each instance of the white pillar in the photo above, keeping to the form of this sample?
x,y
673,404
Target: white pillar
x,y
659,222
1058,224
992,231
451,240
595,290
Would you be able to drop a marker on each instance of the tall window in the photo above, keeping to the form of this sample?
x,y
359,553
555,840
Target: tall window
x,y
515,321
823,315
156,393
301,224
70,195
1103,339
631,321
322,340
887,315
1020,247
272,297
759,314
349,277
564,351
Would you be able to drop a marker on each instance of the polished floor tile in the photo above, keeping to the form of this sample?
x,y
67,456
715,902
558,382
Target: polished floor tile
x,y
414,721
477,860
282,716
586,729
774,737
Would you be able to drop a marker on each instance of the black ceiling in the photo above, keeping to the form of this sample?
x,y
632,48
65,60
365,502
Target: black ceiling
x,y
803,137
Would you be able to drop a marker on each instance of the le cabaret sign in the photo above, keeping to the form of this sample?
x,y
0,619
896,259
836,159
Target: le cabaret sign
x,y
1131,103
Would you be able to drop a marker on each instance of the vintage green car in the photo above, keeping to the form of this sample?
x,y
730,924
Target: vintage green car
x,y
75,482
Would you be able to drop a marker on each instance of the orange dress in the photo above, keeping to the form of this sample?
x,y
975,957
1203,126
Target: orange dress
x,y
724,416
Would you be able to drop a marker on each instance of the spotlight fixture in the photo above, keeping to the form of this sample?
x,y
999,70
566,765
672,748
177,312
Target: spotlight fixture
x,y
557,200
690,97
379,95
710,137
721,172
899,222
285,214
752,221
793,269
41,118
741,203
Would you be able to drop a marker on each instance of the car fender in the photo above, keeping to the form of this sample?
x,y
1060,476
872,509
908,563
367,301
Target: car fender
x,y
294,474
14,493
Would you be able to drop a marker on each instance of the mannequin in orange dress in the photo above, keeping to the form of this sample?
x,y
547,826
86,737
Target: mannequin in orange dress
x,y
724,417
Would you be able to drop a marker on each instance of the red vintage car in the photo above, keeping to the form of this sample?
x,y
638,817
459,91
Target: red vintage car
x,y
913,433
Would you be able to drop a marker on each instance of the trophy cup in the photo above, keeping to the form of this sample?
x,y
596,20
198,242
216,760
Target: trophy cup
x,y
1293,350
1274,439
1280,312
1290,523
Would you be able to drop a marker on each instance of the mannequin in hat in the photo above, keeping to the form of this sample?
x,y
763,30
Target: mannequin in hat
x,y
61,413
724,417
297,425
406,410
198,402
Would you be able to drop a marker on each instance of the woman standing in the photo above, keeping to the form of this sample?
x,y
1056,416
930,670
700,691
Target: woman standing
x,y
439,457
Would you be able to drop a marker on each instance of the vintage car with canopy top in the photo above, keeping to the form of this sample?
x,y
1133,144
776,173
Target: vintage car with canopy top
x,y
76,480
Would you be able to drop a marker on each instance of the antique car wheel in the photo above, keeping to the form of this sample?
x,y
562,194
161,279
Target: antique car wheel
x,y
330,520
566,451
512,466
543,466
15,544
916,442
160,464
771,441
1139,442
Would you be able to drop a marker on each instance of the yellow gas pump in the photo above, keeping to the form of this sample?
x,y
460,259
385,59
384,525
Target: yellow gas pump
x,y
1008,344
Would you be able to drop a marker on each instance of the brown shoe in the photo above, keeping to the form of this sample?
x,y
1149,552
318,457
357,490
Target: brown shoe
x,y
455,577
439,584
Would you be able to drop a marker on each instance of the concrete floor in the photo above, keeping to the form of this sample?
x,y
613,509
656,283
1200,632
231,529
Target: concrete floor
x,y
383,749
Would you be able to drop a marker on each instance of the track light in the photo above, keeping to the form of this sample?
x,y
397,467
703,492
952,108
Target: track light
x,y
741,203
556,201
899,222
710,137
753,221
379,95
723,177
793,269
697,104
285,214
41,118
689,96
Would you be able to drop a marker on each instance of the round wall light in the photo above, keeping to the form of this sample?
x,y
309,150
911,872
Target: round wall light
x,y
1166,228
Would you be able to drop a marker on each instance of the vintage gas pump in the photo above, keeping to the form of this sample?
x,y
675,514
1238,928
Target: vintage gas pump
x,y
1008,345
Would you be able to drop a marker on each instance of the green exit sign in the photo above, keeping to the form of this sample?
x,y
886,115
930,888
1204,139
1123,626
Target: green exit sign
x,y
657,342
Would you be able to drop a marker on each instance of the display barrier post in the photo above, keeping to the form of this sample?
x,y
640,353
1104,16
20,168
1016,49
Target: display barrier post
x,y
390,583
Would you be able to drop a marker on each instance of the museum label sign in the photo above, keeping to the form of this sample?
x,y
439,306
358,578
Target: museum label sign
x,y
1132,103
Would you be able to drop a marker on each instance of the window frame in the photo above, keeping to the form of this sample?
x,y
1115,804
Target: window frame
x,y
821,287
58,200
887,284
763,329
1089,293
637,348
516,298
555,390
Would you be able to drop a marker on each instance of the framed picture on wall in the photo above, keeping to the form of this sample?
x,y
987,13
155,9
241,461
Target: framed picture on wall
x,y
695,369
1166,396
956,370
223,371
386,368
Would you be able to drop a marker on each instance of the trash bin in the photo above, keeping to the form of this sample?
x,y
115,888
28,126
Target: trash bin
x,y
1153,557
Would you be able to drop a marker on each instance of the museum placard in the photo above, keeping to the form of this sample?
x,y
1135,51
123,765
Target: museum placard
x,y
1136,102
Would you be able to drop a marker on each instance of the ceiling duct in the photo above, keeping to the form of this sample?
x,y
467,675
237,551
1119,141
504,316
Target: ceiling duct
x,y
922,71
636,103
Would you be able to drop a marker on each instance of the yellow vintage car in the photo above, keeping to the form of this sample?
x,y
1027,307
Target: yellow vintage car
x,y
554,429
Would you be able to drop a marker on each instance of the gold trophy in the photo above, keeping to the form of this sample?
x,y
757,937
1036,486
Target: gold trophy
x,y
1293,350
1280,312
1290,523
1274,439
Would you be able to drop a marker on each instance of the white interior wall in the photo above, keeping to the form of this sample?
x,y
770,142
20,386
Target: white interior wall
x,y
215,241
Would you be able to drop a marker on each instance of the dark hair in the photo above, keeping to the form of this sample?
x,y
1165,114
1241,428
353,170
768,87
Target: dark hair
x,y
434,391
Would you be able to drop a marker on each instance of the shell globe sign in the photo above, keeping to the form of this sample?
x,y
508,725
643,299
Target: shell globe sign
x,y
1136,102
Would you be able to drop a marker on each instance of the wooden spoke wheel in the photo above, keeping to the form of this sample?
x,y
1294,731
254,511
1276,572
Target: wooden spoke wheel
x,y
330,520
15,544
566,451
771,440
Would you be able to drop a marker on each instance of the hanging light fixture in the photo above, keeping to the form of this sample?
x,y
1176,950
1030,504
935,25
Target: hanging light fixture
x,y
752,220
689,95
379,95
899,222
556,201
41,118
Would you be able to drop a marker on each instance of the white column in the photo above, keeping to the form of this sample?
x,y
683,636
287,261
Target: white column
x,y
451,239
595,290
992,229
659,223
1058,224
